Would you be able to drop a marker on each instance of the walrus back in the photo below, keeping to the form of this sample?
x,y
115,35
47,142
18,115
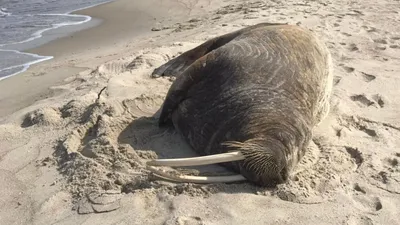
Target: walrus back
x,y
271,78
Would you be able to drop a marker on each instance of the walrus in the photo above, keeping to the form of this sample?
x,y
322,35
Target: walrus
x,y
248,100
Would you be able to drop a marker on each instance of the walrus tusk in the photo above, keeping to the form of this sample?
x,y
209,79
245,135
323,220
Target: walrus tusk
x,y
197,179
198,161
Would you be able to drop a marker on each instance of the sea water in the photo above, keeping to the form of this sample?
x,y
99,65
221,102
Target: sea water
x,y
23,21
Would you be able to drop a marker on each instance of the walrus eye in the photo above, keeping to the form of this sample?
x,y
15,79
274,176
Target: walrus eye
x,y
197,161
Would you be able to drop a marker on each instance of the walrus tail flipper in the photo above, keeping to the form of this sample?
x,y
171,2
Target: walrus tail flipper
x,y
176,66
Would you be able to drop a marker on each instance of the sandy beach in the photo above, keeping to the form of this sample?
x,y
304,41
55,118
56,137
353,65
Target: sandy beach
x,y
77,130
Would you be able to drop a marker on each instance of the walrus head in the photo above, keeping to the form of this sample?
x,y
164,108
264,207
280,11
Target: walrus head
x,y
264,161
261,161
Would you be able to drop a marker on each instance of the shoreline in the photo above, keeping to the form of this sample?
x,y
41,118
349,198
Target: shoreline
x,y
125,26
24,66
23,89
44,36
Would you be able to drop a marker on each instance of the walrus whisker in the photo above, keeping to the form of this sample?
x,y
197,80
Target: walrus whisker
x,y
197,179
198,161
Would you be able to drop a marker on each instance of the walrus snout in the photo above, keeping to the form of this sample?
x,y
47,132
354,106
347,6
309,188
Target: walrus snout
x,y
262,163
269,177
265,163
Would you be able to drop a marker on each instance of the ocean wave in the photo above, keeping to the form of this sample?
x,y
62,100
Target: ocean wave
x,y
4,13
38,34
23,66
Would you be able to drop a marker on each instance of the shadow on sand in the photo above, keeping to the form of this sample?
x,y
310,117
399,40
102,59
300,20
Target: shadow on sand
x,y
144,134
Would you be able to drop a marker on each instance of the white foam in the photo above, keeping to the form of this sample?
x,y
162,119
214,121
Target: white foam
x,y
24,66
3,12
38,34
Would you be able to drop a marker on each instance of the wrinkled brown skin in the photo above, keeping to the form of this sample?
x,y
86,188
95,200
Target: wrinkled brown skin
x,y
259,90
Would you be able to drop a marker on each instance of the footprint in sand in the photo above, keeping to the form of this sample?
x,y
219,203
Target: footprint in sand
x,y
381,44
336,80
396,38
393,162
359,220
353,47
387,180
392,42
348,69
369,132
369,29
384,171
381,47
368,77
356,155
346,34
376,100
362,100
381,41
384,43
380,100
359,124
364,201
358,188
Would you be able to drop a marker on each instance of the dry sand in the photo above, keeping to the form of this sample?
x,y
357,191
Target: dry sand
x,y
77,156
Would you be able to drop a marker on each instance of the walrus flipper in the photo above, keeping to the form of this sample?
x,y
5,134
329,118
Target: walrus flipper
x,y
178,90
176,66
